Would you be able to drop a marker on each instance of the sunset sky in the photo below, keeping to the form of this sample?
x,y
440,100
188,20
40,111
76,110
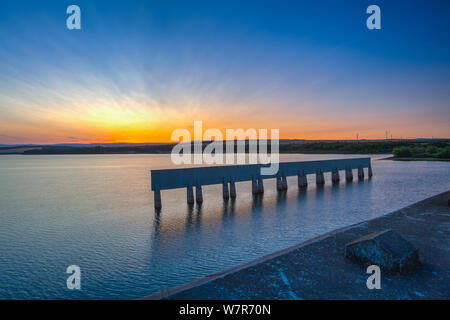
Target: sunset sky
x,y
137,70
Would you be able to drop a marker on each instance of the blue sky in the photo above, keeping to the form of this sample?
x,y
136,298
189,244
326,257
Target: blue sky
x,y
139,69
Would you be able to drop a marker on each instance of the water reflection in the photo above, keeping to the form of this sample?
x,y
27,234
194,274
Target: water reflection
x,y
281,199
194,217
228,208
275,201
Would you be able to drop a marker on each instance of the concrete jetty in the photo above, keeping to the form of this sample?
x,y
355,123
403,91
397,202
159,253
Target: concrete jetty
x,y
318,269
229,175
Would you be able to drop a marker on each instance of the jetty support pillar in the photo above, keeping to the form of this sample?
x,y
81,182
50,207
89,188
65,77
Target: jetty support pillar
x,y
360,173
190,195
225,193
320,179
232,189
335,176
302,180
279,183
157,199
254,186
348,174
284,182
260,185
198,193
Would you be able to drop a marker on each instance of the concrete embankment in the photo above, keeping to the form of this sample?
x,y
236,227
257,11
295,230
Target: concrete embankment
x,y
317,269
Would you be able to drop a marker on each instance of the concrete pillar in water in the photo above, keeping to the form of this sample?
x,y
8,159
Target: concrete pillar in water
x,y
190,194
348,174
284,182
320,179
232,189
260,185
370,171
157,197
254,186
302,181
360,173
198,193
279,183
335,176
225,192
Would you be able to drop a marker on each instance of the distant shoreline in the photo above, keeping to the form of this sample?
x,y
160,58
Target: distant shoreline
x,y
414,159
285,147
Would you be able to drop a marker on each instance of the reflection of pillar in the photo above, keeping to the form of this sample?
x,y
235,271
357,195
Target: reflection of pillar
x,y
279,183
348,174
320,179
302,181
190,194
370,171
232,189
198,193
254,186
284,182
360,173
335,176
157,196
225,192
260,185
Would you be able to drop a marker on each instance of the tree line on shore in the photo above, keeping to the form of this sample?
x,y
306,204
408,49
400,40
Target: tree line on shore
x,y
431,150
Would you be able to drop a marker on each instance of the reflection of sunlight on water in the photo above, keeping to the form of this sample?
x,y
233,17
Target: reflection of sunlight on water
x,y
97,211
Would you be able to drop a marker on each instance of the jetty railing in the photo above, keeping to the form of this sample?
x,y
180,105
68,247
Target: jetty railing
x,y
228,175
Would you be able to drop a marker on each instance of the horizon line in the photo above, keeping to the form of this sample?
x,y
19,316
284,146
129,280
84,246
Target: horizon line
x,y
175,142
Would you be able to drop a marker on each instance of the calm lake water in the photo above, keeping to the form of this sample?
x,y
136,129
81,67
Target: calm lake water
x,y
96,211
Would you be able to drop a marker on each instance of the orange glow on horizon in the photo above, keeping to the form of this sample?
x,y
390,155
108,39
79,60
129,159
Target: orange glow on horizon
x,y
103,122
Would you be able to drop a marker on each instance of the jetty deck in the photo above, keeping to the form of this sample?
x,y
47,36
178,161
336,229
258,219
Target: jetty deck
x,y
228,175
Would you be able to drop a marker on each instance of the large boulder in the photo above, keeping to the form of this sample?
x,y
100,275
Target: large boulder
x,y
387,249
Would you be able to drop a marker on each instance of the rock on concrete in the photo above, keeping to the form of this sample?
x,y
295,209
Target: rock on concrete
x,y
387,249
